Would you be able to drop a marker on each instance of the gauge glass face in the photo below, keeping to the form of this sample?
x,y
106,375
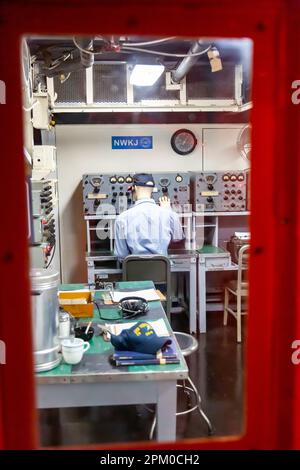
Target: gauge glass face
x,y
164,181
121,179
129,179
178,178
96,182
210,179
183,141
113,179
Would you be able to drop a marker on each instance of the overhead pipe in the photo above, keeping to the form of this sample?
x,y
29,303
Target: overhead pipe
x,y
85,59
187,63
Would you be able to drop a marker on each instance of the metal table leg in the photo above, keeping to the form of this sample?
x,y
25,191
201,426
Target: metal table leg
x,y
202,295
166,411
91,272
193,296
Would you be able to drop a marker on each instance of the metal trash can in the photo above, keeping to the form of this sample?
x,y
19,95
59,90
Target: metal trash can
x,y
44,310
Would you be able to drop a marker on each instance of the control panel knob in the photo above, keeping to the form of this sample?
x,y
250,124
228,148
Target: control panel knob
x,y
115,194
210,187
121,194
227,191
164,190
232,204
96,202
233,191
209,199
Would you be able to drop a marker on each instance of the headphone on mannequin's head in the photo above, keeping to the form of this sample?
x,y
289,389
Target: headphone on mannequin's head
x,y
132,307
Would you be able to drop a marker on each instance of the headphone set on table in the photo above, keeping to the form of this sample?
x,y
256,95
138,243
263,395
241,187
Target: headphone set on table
x,y
132,307
129,307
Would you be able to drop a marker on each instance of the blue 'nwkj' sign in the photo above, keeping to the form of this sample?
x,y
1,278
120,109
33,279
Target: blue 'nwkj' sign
x,y
121,142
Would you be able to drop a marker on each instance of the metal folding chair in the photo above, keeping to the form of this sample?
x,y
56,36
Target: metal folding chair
x,y
156,268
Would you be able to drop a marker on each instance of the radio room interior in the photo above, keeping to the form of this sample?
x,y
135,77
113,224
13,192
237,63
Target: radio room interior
x,y
108,119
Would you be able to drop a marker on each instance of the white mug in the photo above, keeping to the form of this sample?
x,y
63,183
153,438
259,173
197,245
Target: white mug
x,y
73,350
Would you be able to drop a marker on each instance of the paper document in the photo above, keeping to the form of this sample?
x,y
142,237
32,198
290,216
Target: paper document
x,y
159,326
242,235
147,294
73,301
83,291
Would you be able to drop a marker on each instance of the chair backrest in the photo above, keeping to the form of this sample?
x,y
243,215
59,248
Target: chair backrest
x,y
156,268
243,260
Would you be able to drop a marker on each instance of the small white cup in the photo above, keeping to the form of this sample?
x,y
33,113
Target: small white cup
x,y
73,350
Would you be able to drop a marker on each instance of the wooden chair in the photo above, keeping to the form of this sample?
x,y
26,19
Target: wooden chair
x,y
238,289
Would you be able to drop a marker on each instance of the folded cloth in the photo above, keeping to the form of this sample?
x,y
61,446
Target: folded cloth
x,y
140,337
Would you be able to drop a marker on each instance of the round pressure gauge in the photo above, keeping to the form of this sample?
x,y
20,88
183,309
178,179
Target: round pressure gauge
x,y
183,141
164,182
96,181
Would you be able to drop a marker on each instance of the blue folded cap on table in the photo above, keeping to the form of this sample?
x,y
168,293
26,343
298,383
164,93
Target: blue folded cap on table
x,y
141,337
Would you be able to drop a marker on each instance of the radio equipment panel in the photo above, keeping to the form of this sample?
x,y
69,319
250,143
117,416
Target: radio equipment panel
x,y
219,191
176,186
111,193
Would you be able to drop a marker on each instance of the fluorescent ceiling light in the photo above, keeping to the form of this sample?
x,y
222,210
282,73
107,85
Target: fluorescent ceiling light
x,y
146,75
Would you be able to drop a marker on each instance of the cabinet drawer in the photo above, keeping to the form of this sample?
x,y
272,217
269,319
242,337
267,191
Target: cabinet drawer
x,y
217,261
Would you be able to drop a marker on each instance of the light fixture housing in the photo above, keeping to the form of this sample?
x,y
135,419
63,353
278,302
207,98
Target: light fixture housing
x,y
146,75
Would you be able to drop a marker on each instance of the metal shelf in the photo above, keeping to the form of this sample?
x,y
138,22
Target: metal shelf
x,y
204,214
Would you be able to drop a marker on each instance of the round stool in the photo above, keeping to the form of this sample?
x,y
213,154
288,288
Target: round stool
x,y
188,344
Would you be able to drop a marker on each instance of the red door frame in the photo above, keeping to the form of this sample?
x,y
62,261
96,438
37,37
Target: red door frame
x,y
273,383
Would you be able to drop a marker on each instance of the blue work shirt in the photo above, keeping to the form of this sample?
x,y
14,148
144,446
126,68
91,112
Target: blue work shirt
x,y
145,229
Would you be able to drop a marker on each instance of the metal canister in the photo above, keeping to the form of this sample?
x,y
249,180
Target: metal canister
x,y
64,324
44,309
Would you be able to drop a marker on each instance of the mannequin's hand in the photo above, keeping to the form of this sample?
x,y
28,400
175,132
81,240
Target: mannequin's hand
x,y
164,201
